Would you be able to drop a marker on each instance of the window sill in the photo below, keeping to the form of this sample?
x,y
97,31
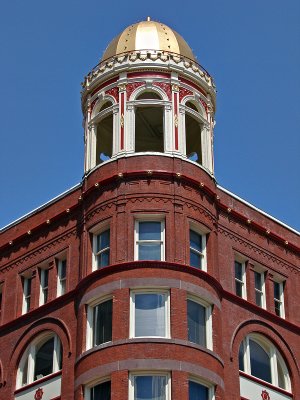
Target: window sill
x,y
38,382
267,384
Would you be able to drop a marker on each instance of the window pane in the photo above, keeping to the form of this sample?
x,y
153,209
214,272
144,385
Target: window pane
x,y
195,259
150,387
258,298
281,380
239,288
258,280
149,129
102,323
103,240
277,308
196,323
150,230
276,290
260,362
238,270
103,259
150,318
101,391
149,251
44,360
63,269
195,241
241,357
197,391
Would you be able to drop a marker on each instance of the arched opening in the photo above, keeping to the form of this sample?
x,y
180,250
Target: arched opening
x,y
149,123
104,133
193,138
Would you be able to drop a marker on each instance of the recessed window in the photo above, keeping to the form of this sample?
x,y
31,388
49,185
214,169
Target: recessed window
x,y
101,246
61,277
259,282
193,133
149,240
99,323
44,279
278,299
197,250
149,314
199,390
41,358
104,133
149,386
240,279
100,391
26,295
199,323
260,358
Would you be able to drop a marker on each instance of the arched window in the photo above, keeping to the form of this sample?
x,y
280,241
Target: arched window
x,y
193,128
104,133
41,358
260,358
149,123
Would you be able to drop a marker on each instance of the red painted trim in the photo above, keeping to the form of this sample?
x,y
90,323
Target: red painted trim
x,y
176,113
143,74
123,119
267,384
38,382
244,398
192,84
56,398
109,82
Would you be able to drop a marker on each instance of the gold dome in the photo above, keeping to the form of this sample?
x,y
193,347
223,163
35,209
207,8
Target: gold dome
x,y
148,35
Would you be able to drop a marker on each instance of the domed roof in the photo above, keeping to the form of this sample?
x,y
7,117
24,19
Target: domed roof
x,y
148,35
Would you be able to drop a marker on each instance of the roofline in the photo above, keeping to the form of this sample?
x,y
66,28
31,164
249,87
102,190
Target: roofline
x,y
40,208
259,210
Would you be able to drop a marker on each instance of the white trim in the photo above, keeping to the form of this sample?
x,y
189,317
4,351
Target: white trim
x,y
210,387
166,293
243,281
280,301
208,319
262,290
137,241
26,296
89,386
44,273
61,282
96,231
201,231
134,374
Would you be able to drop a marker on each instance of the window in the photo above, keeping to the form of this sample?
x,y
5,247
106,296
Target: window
x,y
101,391
61,277
260,358
149,123
259,282
99,323
197,250
1,297
44,278
104,132
240,278
26,295
150,314
199,390
199,323
193,128
149,386
101,247
41,358
149,240
278,299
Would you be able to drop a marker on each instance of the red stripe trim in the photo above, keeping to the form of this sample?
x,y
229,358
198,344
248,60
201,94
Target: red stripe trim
x,y
193,85
103,85
143,74
176,116
122,122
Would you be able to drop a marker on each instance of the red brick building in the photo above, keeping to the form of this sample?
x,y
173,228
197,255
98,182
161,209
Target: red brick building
x,y
148,280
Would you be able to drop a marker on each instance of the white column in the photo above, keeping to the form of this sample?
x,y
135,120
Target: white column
x,y
168,131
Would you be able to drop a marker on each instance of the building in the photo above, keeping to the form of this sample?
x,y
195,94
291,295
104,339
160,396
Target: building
x,y
148,280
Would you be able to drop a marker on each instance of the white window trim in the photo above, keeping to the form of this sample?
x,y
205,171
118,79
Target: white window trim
x,y
273,353
243,281
25,294
202,231
90,320
208,320
167,311
30,353
211,387
281,299
132,375
263,287
149,218
96,231
60,285
43,289
89,386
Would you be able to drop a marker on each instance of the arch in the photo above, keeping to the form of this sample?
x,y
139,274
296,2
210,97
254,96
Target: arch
x,y
197,104
145,88
100,102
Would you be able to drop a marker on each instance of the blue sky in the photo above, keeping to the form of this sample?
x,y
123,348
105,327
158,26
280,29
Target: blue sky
x,y
250,47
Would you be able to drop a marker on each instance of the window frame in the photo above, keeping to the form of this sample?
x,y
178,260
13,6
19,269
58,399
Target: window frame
x,y
61,281
89,386
26,303
90,321
1,299
274,358
262,291
279,301
200,381
99,116
44,289
243,282
208,320
29,355
150,218
202,231
95,232
165,292
132,375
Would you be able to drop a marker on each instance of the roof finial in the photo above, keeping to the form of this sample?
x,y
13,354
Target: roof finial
x,y
148,19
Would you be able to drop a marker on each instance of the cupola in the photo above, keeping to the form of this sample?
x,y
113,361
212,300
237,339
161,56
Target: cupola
x,y
148,96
